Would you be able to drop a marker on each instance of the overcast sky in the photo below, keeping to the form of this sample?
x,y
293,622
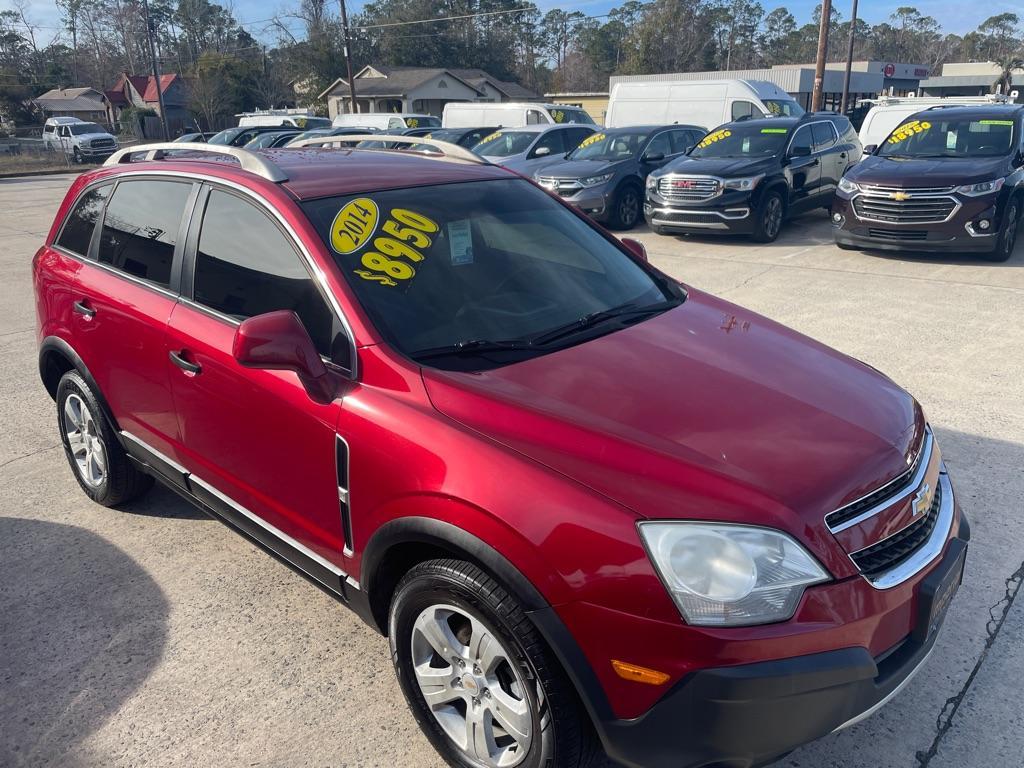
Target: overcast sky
x,y
954,15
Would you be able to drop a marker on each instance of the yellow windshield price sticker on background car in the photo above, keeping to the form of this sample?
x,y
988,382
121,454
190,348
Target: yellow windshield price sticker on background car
x,y
995,122
775,109
907,130
412,122
558,116
490,137
353,225
592,139
711,138
404,237
774,130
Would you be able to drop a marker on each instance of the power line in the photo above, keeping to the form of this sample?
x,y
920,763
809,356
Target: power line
x,y
446,18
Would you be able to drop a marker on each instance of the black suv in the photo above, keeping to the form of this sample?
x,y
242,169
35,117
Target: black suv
x,y
747,176
947,179
604,176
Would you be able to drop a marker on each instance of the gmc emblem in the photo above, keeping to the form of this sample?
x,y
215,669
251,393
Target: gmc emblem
x,y
684,184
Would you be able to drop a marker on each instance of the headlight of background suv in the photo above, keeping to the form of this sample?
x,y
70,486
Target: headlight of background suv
x,y
981,188
724,575
593,181
744,184
652,182
847,186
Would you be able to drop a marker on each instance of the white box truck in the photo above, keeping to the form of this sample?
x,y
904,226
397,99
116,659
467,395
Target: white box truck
x,y
696,102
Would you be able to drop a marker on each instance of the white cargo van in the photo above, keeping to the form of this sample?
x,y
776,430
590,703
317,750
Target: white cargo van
x,y
386,121
290,118
510,114
889,112
696,102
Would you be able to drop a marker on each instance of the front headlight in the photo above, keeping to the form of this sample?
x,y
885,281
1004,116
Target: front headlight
x,y
847,186
981,188
593,181
744,185
725,575
652,182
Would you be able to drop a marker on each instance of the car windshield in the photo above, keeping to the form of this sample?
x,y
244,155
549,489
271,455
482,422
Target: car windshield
x,y
311,122
505,143
783,107
609,146
740,140
264,140
936,136
474,275
77,129
225,136
571,115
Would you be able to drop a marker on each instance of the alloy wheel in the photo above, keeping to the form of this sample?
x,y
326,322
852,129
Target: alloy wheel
x,y
472,686
84,441
1010,231
629,208
772,217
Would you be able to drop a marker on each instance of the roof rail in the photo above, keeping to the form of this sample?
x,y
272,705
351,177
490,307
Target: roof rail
x,y
250,161
444,148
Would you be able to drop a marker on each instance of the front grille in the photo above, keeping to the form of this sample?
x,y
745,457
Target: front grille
x,y
885,191
899,234
688,189
99,143
887,554
562,187
914,210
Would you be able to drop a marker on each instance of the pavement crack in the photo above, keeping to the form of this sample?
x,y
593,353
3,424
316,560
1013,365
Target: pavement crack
x,y
995,623
29,455
750,279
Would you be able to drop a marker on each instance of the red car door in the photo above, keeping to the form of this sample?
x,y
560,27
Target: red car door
x,y
254,439
123,299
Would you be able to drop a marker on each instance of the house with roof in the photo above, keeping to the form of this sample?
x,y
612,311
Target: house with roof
x,y
141,91
419,89
86,104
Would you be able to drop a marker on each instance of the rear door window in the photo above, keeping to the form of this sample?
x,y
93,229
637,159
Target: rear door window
x,y
80,223
824,136
141,228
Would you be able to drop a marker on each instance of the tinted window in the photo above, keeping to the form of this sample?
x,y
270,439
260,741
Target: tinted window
x,y
79,225
682,140
245,266
824,136
743,109
574,136
803,138
140,228
553,141
660,145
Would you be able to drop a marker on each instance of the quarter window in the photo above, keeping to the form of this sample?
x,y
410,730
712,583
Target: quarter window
x,y
140,228
79,225
824,136
245,266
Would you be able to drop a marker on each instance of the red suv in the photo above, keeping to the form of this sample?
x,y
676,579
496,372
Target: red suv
x,y
590,507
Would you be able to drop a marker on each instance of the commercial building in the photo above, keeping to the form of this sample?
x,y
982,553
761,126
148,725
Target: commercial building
x,y
594,102
971,79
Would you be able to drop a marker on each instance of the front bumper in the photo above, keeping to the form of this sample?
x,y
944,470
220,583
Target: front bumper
x,y
960,234
726,213
751,714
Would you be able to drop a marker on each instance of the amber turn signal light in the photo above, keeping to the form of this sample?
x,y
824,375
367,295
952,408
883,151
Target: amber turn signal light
x,y
639,674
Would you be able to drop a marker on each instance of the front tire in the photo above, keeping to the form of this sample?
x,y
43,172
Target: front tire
x,y
77,154
97,459
770,215
626,208
481,683
1007,238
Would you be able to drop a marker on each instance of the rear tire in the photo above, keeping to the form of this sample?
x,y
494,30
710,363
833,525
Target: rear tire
x,y
98,461
626,208
462,640
1007,238
770,215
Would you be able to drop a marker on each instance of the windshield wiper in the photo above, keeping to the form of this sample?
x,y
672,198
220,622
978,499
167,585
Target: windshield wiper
x,y
472,347
596,318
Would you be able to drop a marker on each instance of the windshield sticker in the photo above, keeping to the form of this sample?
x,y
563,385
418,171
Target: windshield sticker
x,y
591,139
354,225
711,138
491,137
995,122
460,241
774,130
300,122
412,122
558,115
774,107
408,235
907,130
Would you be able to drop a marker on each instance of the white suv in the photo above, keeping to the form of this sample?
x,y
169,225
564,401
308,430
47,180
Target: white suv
x,y
83,141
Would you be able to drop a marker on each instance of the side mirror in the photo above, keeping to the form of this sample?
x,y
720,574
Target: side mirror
x,y
870,149
636,248
278,341
653,157
541,151
801,151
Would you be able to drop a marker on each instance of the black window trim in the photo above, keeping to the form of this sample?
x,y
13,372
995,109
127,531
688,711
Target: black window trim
x,y
89,255
187,275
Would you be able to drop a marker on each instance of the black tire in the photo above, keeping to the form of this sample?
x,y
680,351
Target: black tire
x,y
120,482
560,733
1007,237
77,154
769,217
627,207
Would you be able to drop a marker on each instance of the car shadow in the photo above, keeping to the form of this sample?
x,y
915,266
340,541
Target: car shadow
x,y
83,627
807,229
161,501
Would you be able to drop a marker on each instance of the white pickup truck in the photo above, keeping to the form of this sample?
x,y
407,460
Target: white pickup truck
x,y
82,141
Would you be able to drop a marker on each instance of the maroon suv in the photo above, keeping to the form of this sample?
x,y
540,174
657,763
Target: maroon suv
x,y
589,506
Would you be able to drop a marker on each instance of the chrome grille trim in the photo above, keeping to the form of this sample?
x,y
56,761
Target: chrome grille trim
x,y
704,188
882,189
918,209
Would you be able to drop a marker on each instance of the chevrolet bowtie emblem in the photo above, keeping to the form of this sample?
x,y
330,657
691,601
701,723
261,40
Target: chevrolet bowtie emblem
x,y
922,501
901,196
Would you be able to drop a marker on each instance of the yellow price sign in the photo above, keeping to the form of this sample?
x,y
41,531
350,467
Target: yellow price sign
x,y
353,225
907,130
404,237
714,136
592,139
490,137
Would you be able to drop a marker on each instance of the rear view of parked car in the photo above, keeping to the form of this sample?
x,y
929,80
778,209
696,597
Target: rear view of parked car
x,y
463,137
749,176
604,176
527,149
949,179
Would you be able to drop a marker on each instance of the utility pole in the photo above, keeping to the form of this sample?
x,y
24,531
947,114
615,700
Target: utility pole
x,y
819,67
348,58
849,60
156,71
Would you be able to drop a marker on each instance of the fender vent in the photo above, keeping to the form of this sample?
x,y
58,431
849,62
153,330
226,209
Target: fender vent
x,y
341,463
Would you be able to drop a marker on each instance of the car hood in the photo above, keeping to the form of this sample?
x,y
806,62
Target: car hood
x,y
726,167
706,411
581,169
100,135
926,172
520,164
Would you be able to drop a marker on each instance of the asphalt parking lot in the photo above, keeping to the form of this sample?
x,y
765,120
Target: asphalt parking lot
x,y
155,636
